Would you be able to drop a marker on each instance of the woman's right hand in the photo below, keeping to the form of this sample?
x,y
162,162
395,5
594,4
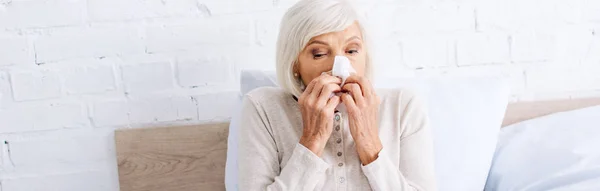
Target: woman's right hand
x,y
317,111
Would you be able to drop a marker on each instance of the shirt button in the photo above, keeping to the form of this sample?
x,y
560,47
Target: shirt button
x,y
337,117
342,179
340,164
338,140
339,154
337,127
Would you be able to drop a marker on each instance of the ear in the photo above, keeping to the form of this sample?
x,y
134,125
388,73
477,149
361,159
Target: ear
x,y
295,67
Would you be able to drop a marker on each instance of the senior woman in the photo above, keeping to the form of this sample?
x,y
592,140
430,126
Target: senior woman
x,y
294,138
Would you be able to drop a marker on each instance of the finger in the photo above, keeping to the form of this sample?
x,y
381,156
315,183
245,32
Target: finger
x,y
328,90
310,86
308,92
332,103
312,83
365,84
355,91
320,82
348,101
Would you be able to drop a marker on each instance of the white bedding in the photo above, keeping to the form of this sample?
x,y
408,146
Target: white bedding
x,y
556,152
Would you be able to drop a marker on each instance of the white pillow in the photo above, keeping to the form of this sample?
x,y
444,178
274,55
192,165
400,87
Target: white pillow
x,y
249,80
555,152
465,115
231,178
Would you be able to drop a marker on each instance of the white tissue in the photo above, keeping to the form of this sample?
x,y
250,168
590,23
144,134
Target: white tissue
x,y
342,68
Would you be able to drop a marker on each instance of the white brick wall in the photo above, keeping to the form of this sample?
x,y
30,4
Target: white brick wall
x,y
72,71
76,80
120,10
88,42
47,116
18,48
41,14
31,85
205,72
85,180
230,30
148,77
482,48
417,51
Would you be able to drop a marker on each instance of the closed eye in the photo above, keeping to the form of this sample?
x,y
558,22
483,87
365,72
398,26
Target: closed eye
x,y
317,56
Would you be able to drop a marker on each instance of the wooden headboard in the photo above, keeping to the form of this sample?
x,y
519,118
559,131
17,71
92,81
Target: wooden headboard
x,y
517,112
172,158
193,157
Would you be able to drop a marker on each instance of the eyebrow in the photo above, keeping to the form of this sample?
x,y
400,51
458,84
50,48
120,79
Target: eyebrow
x,y
324,43
352,38
318,42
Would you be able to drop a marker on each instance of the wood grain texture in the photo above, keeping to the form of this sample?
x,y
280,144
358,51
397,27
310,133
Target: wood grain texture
x,y
172,158
517,112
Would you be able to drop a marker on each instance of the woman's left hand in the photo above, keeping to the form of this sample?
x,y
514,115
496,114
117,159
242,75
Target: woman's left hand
x,y
362,105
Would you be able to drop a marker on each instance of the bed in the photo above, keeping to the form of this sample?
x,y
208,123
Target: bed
x,y
193,157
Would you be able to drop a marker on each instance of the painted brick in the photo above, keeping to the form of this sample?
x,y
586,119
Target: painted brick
x,y
532,46
12,122
210,71
44,154
148,77
122,113
85,180
117,10
229,30
152,110
418,51
112,113
5,90
219,7
592,56
94,79
33,85
491,14
27,14
570,11
511,15
591,10
43,117
89,42
439,17
562,78
3,150
266,28
56,116
480,48
217,106
573,45
262,58
15,51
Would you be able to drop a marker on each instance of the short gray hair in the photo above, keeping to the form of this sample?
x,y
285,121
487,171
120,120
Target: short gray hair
x,y
305,20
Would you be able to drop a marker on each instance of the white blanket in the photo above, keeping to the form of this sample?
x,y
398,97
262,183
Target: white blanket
x,y
556,152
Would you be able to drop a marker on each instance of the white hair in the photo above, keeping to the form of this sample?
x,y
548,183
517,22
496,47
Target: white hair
x,y
308,19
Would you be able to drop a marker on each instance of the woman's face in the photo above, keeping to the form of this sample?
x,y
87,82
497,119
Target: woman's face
x,y
318,55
